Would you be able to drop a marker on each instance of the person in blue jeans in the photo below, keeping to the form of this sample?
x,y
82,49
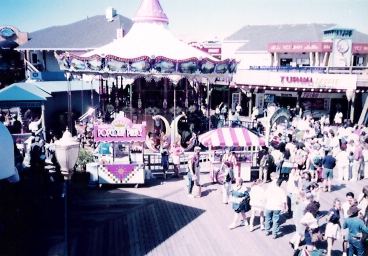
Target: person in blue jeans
x,y
275,204
356,228
193,170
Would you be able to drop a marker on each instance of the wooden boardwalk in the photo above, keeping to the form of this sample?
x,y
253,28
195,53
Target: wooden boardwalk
x,y
168,222
159,218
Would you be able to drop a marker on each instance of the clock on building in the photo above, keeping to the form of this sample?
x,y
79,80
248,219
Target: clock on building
x,y
342,46
6,32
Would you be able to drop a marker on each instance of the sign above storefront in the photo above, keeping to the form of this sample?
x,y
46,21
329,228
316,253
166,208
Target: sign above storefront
x,y
312,81
300,47
121,129
360,48
320,95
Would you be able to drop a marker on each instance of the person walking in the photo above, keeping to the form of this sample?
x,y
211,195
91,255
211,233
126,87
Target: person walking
x,y
226,186
302,200
164,158
193,170
263,162
356,227
286,166
310,222
175,151
333,226
342,163
275,203
358,160
257,203
239,193
328,163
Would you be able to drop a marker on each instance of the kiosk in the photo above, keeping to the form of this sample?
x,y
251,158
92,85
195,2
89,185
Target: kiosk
x,y
124,165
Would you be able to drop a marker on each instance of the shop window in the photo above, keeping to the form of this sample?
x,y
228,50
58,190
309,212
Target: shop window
x,y
285,62
302,62
34,58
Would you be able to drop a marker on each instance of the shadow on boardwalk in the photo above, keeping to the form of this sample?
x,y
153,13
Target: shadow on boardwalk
x,y
103,221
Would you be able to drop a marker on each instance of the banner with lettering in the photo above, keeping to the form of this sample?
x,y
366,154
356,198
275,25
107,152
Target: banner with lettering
x,y
121,129
292,47
312,81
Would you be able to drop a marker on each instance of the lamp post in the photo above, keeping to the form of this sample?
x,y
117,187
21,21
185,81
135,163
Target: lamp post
x,y
67,152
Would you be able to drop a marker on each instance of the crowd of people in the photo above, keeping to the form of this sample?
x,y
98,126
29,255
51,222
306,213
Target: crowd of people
x,y
304,153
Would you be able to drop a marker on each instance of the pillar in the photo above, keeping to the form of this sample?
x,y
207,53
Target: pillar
x,y
352,108
311,63
317,59
43,120
275,59
325,58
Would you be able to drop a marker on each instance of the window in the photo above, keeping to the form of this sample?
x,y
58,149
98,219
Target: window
x,y
34,58
285,62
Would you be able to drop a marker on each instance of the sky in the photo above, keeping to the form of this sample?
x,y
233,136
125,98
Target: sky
x,y
191,17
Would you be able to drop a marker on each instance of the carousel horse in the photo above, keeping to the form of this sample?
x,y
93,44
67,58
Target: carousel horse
x,y
173,130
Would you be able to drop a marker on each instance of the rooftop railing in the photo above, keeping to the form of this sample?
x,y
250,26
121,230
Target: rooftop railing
x,y
321,70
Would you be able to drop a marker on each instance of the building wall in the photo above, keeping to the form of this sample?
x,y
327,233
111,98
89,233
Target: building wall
x,y
229,49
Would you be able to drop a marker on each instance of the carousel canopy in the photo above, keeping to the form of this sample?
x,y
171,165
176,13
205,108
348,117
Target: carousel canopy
x,y
149,48
228,137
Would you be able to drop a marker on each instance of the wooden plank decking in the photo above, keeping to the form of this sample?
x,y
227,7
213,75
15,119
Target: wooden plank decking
x,y
168,222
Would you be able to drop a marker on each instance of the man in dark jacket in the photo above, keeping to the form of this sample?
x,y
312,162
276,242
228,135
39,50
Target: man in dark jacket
x,y
328,163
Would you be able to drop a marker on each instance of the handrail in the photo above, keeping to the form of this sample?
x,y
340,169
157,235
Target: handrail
x,y
30,66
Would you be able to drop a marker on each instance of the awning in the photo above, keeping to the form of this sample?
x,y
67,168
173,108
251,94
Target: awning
x,y
227,137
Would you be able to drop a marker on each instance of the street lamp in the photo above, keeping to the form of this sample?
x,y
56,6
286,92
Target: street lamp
x,y
67,152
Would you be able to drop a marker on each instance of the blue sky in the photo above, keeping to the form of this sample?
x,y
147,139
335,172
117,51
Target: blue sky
x,y
221,17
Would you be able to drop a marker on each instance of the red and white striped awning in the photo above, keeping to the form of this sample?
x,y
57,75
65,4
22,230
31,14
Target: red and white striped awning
x,y
228,137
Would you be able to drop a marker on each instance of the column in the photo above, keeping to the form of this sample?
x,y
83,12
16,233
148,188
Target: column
x,y
325,58
271,59
275,60
352,108
43,120
317,59
311,58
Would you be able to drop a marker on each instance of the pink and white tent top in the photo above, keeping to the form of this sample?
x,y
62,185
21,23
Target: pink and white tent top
x,y
150,36
227,137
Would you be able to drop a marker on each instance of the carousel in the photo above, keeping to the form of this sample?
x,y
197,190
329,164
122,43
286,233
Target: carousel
x,y
153,78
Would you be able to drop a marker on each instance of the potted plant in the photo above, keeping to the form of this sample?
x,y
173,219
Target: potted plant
x,y
84,158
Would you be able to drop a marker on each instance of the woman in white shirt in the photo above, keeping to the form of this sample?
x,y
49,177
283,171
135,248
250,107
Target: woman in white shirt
x,y
257,201
342,163
310,221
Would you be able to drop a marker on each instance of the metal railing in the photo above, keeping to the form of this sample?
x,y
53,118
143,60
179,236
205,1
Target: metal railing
x,y
323,70
152,161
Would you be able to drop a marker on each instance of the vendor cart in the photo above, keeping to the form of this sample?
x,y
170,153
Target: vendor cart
x,y
231,137
124,165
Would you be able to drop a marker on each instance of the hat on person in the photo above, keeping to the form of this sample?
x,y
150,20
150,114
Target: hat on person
x,y
353,210
197,148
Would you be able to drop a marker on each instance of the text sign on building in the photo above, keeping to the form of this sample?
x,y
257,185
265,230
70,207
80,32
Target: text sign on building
x,y
315,81
360,48
300,47
120,130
